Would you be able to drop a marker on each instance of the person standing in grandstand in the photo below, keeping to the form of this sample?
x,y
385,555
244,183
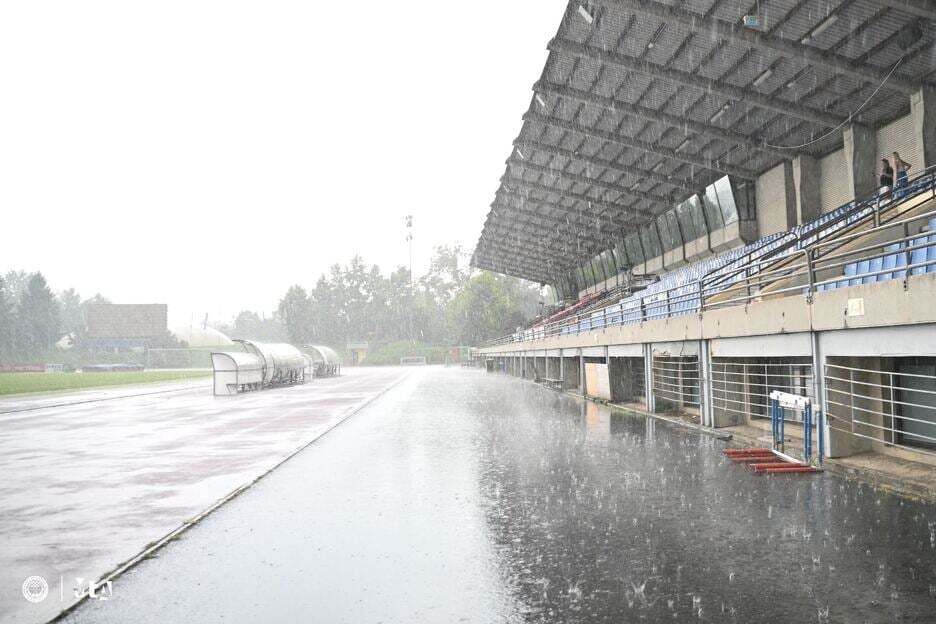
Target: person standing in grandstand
x,y
887,173
901,167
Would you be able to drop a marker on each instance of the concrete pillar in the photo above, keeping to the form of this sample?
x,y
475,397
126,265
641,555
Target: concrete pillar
x,y
861,160
562,368
776,201
648,377
806,188
705,384
582,373
923,111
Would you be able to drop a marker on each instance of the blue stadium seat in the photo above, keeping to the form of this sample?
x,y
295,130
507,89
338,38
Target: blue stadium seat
x,y
918,255
931,253
850,269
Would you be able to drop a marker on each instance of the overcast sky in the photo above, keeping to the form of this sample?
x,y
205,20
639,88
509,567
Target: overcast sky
x,y
210,154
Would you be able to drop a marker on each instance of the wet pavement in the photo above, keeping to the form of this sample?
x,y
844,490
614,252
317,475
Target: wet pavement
x,y
90,478
465,497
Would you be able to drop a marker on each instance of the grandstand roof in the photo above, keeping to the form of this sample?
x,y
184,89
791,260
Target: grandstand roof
x,y
644,102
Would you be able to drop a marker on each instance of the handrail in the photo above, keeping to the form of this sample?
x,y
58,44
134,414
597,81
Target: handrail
x,y
762,268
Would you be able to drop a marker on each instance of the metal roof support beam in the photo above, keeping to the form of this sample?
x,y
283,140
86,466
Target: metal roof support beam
x,y
551,238
709,85
920,8
530,246
664,200
649,114
729,31
489,265
504,256
568,247
704,163
604,206
546,223
583,219
681,184
502,264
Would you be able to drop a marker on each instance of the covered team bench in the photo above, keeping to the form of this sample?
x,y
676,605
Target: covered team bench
x,y
325,362
236,372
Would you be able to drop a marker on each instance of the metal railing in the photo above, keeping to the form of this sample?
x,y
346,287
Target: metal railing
x,y
676,379
894,408
805,260
743,387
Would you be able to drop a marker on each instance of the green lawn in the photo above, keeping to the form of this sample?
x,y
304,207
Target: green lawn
x,y
17,383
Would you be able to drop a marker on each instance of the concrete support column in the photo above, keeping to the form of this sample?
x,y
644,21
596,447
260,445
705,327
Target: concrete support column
x,y
582,373
776,199
820,401
705,384
861,166
562,368
923,112
806,184
648,376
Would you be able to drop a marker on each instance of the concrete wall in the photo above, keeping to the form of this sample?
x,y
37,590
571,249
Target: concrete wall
x,y
776,205
834,187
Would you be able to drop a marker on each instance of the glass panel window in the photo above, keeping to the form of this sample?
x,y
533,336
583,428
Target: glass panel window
x,y
633,248
669,230
745,199
686,224
610,266
651,241
589,274
726,200
698,215
713,213
621,259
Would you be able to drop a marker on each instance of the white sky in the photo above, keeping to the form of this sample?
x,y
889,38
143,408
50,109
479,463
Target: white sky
x,y
209,154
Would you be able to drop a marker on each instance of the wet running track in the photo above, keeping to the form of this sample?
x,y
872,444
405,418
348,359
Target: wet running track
x,y
91,478
465,497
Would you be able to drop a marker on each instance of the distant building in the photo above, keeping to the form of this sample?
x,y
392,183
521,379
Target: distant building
x,y
121,326
358,352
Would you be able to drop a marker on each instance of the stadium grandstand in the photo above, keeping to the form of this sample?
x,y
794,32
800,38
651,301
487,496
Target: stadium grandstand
x,y
703,185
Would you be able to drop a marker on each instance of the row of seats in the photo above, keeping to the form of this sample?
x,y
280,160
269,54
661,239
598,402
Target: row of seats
x,y
920,251
678,292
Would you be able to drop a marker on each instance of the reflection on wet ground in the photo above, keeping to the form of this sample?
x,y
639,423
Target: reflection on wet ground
x,y
461,496
87,485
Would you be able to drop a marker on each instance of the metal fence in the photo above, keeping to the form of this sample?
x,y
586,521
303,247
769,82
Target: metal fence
x,y
676,379
892,407
743,386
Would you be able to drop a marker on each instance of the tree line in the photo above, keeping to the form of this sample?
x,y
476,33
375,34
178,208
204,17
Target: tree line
x,y
449,305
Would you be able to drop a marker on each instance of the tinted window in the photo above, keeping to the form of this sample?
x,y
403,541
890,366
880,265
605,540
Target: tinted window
x,y
713,212
745,199
610,267
634,250
669,230
651,241
726,200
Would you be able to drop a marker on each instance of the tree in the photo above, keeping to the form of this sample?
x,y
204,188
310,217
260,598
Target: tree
x,y
39,316
7,320
492,305
250,326
72,315
295,310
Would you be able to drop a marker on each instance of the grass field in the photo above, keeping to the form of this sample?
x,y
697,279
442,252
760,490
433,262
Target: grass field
x,y
18,383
